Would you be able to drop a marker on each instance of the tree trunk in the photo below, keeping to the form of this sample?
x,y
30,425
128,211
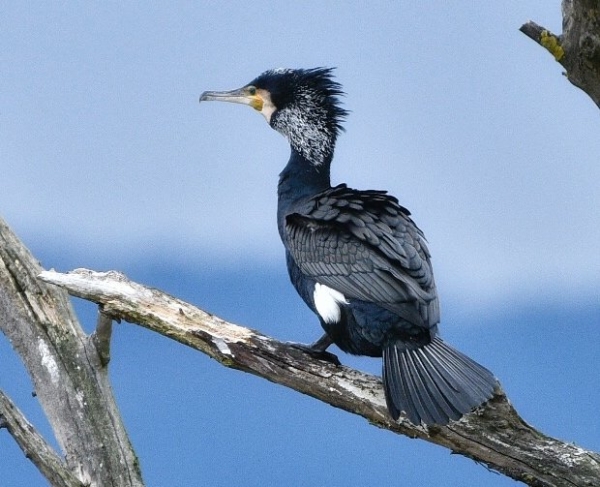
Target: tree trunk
x,y
577,49
68,374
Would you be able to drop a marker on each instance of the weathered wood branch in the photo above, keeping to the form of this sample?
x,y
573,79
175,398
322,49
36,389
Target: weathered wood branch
x,y
102,335
34,446
69,378
577,49
494,434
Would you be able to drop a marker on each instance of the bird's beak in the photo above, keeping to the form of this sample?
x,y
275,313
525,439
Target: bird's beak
x,y
241,95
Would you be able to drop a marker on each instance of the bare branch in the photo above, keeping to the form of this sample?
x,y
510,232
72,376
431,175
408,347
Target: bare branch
x,y
544,38
34,446
494,435
102,335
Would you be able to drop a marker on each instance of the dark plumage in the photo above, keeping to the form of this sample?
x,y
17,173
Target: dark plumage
x,y
356,257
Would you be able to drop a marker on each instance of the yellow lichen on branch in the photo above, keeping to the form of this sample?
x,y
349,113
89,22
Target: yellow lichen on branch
x,y
552,44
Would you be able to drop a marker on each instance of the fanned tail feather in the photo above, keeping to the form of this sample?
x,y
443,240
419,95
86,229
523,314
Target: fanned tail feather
x,y
434,383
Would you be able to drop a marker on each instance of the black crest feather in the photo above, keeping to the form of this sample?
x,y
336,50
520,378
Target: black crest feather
x,y
312,90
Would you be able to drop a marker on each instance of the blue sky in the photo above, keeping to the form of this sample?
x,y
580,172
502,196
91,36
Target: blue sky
x,y
108,161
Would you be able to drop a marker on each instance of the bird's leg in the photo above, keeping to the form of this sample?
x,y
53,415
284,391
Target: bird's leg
x,y
318,349
321,344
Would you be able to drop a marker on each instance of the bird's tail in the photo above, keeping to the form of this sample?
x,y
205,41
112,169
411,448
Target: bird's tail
x,y
433,383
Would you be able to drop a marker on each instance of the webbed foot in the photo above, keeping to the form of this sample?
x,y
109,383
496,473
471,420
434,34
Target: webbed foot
x,y
318,350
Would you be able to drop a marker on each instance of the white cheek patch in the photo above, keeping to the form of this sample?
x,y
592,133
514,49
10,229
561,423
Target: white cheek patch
x,y
327,302
267,108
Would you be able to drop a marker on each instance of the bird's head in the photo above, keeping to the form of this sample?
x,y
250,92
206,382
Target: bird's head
x,y
301,104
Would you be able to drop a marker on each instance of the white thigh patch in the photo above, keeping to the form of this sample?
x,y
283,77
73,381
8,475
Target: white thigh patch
x,y
327,302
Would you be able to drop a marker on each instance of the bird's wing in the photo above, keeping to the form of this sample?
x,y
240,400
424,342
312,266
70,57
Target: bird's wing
x,y
364,245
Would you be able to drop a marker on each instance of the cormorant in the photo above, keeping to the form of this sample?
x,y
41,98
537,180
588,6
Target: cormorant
x,y
357,258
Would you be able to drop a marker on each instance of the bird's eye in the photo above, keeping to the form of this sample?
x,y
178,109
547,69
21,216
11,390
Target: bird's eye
x,y
251,90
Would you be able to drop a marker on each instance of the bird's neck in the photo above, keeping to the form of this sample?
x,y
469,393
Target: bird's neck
x,y
299,181
302,179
